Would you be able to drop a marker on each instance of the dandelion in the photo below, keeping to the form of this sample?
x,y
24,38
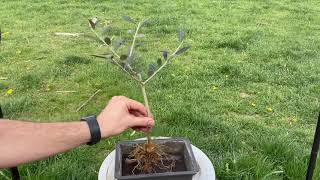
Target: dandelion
x,y
9,92
48,88
253,104
215,88
269,109
5,34
294,120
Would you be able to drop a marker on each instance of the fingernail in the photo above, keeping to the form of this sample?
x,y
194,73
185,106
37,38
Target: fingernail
x,y
148,123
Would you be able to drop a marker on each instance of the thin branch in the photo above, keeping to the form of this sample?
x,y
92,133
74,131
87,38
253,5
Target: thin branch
x,y
134,39
177,49
132,76
111,49
119,66
163,65
87,101
143,88
114,61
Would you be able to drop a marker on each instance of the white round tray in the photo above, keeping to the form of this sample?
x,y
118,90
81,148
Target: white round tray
x,y
206,172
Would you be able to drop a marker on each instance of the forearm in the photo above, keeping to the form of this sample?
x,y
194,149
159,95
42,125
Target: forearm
x,y
22,142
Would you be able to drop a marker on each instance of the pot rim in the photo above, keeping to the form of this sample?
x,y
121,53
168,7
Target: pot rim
x,y
118,161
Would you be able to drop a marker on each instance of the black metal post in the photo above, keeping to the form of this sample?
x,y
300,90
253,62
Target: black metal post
x,y
314,151
14,170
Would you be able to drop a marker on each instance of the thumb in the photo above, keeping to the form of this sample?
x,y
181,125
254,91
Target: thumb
x,y
141,121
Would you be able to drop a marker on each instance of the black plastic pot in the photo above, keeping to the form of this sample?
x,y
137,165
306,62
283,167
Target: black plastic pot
x,y
178,145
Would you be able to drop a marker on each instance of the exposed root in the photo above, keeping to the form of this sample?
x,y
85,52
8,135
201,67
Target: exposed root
x,y
151,157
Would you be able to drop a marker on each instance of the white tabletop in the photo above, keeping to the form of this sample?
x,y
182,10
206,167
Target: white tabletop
x,y
206,172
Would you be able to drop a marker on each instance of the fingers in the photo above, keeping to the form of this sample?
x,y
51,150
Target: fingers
x,y
144,129
140,128
138,114
136,106
141,122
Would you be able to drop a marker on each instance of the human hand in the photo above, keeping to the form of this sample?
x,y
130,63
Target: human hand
x,y
122,113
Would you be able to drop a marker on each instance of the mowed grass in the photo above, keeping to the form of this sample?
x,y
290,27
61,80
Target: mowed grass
x,y
247,93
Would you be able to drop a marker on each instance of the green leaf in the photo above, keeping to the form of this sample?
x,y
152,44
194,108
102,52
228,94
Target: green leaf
x,y
109,57
104,56
159,62
144,23
123,57
93,22
139,44
127,67
182,50
131,59
107,40
122,64
151,69
181,35
105,29
118,44
165,54
128,19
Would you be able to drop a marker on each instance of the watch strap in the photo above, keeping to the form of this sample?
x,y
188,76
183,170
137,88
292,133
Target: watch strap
x,y
94,129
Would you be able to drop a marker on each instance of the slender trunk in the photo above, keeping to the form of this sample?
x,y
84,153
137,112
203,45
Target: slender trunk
x,y
146,103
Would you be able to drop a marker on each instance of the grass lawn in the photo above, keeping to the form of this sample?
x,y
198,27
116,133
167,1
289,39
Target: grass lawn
x,y
246,93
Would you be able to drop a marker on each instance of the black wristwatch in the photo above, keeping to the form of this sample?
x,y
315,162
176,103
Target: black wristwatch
x,y
94,129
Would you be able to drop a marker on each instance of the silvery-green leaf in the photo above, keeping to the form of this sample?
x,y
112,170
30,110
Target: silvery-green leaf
x,y
109,56
159,62
106,29
104,56
127,67
118,43
131,59
139,44
123,57
128,19
93,22
107,40
182,50
122,64
144,23
181,35
151,69
165,54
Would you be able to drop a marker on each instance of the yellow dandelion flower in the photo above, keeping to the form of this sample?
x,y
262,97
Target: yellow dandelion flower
x,y
269,109
215,88
5,34
9,92
294,120
253,104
